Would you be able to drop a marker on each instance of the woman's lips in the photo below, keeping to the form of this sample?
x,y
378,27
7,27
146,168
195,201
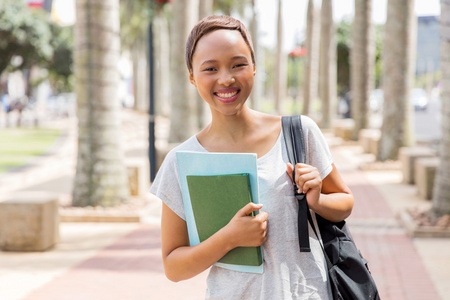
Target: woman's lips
x,y
228,95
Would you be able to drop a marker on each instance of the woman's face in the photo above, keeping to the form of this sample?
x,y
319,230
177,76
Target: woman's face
x,y
222,71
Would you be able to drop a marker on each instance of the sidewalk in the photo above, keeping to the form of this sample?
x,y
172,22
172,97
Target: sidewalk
x,y
122,260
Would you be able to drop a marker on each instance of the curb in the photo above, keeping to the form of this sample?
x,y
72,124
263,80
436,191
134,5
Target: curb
x,y
95,218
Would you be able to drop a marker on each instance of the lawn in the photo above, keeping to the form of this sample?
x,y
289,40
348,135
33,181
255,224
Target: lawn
x,y
18,146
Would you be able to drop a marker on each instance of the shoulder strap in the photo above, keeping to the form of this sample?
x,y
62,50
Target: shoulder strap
x,y
293,137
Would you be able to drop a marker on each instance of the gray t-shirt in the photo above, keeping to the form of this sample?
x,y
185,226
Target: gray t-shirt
x,y
288,273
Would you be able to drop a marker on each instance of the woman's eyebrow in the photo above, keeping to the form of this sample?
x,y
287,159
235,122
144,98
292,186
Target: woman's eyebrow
x,y
239,57
209,61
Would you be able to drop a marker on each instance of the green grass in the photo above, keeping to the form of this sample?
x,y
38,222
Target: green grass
x,y
18,146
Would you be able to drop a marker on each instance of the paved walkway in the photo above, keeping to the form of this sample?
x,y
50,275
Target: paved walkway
x,y
122,261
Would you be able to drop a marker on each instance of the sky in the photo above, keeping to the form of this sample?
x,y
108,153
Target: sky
x,y
294,16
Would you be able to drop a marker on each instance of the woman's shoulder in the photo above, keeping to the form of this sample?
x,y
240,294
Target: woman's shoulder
x,y
191,144
309,123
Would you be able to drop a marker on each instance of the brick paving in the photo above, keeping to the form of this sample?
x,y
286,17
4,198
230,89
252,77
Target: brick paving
x,y
393,260
130,269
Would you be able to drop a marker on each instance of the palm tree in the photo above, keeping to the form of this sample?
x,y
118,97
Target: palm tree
x,y
312,58
183,120
399,46
362,62
100,174
441,195
327,74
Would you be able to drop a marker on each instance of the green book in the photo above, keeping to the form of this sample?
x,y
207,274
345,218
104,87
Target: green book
x,y
215,199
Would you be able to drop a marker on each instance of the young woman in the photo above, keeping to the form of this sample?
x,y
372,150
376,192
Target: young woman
x,y
221,64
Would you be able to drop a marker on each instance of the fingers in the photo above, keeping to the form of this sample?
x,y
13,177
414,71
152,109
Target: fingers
x,y
289,170
306,177
249,208
262,216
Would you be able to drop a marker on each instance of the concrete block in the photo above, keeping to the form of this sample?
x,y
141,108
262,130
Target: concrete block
x,y
408,156
366,138
29,221
138,171
425,171
343,128
373,144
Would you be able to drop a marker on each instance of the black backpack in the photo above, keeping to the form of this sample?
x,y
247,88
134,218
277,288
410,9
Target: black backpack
x,y
348,273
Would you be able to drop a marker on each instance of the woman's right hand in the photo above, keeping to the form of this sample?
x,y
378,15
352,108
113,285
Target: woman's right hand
x,y
245,230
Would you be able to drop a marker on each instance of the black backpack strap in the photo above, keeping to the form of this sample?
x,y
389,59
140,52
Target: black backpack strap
x,y
293,137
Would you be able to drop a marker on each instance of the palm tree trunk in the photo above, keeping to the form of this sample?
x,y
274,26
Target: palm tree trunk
x,y
203,113
441,195
163,76
255,96
327,79
100,175
140,74
312,57
183,120
279,57
362,62
398,69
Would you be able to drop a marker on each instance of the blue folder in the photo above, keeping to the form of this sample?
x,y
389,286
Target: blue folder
x,y
209,163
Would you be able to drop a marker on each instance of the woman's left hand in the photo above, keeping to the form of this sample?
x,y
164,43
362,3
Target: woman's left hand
x,y
308,181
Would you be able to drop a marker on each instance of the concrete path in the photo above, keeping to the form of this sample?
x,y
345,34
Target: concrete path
x,y
122,261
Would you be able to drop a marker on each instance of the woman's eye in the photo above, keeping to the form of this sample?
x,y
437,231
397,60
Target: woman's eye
x,y
209,69
239,65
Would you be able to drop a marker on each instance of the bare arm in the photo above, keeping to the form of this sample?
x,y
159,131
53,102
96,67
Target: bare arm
x,y
331,198
183,262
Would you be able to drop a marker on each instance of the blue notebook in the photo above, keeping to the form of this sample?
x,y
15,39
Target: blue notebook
x,y
207,164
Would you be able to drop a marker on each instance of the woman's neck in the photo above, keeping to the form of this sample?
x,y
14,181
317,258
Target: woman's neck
x,y
233,127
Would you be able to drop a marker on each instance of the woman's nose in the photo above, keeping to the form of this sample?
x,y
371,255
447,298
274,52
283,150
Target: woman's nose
x,y
226,78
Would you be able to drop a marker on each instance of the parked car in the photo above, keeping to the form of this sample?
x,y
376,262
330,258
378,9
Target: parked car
x,y
419,99
375,103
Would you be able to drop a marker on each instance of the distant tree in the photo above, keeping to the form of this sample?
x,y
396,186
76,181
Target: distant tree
x,y
362,62
60,66
343,45
327,64
100,177
279,60
183,118
256,94
399,46
23,33
441,194
312,57
203,113
134,20
228,7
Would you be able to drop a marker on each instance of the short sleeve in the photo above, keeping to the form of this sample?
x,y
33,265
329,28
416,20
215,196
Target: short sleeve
x,y
166,185
317,151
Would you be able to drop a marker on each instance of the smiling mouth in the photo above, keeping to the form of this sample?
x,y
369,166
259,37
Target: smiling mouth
x,y
227,95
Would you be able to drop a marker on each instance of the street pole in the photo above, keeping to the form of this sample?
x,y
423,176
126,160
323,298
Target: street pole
x,y
151,110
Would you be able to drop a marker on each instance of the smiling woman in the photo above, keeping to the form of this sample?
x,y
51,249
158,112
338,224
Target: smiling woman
x,y
221,65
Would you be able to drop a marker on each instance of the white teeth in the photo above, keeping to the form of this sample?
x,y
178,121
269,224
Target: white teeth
x,y
226,95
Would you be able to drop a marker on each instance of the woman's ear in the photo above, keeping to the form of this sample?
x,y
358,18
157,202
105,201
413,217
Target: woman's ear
x,y
191,79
